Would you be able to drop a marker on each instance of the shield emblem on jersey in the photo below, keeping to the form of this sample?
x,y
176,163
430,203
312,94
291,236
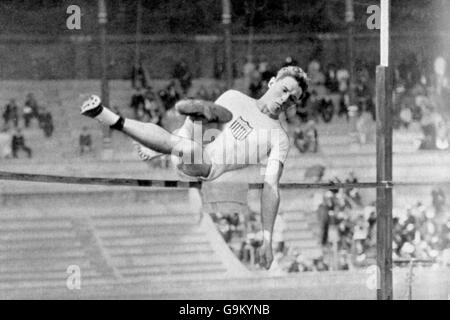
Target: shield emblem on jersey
x,y
240,129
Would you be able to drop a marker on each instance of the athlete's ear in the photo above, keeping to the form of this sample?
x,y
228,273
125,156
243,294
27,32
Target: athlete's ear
x,y
271,82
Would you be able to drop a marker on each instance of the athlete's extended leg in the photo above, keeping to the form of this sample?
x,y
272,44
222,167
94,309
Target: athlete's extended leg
x,y
149,135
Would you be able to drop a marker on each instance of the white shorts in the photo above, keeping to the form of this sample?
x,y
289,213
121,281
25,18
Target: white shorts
x,y
215,172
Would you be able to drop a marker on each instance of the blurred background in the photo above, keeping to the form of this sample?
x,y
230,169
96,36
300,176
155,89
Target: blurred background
x,y
143,58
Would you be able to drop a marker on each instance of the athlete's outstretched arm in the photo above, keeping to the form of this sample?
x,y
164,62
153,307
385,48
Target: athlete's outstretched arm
x,y
270,201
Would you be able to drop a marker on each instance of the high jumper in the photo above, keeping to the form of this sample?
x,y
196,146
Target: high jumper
x,y
243,131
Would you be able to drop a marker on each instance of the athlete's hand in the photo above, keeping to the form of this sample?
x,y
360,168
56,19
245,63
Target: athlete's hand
x,y
265,255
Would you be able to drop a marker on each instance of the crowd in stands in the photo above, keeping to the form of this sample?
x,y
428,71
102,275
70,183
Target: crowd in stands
x,y
16,120
420,98
347,234
348,228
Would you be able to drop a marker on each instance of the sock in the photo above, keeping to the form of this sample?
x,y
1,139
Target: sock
x,y
107,117
119,124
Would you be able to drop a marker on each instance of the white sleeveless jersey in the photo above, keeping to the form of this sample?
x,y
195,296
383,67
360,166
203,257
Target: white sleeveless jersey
x,y
249,138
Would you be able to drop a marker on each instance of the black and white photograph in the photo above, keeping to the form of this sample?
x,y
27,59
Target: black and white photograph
x,y
243,151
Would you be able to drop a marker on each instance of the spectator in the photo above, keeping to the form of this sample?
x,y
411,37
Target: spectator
x,y
300,264
27,115
363,93
315,74
345,232
365,125
153,108
406,117
303,108
46,122
248,70
324,216
225,230
445,236
182,73
442,133
307,140
434,128
254,240
289,61
30,110
5,143
137,102
360,235
219,68
331,80
255,84
171,94
438,200
440,70
139,77
343,78
320,265
326,109
263,65
85,141
233,220
265,72
11,113
312,106
409,70
353,193
18,143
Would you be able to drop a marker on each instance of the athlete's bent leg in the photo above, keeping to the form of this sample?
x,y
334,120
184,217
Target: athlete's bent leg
x,y
188,150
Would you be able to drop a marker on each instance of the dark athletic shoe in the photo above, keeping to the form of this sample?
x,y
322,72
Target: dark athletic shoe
x,y
199,109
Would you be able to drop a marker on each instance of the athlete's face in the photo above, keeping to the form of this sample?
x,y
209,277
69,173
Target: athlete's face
x,y
282,94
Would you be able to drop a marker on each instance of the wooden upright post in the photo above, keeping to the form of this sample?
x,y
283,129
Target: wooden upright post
x,y
350,21
137,49
384,160
226,21
102,20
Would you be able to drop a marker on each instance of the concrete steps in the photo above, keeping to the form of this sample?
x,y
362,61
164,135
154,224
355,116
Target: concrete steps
x,y
157,246
38,250
301,233
164,270
159,199
174,248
